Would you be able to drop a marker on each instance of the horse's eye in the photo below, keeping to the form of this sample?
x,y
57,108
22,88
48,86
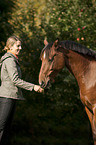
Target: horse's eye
x,y
50,59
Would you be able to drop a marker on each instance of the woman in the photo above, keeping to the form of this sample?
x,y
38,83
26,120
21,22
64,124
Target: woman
x,y
11,84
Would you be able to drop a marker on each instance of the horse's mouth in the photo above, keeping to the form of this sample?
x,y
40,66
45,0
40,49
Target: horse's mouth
x,y
45,86
48,84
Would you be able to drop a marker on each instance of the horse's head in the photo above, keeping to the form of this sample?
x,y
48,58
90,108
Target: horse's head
x,y
52,62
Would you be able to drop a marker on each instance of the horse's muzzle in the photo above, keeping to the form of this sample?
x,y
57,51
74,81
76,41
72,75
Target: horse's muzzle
x,y
45,86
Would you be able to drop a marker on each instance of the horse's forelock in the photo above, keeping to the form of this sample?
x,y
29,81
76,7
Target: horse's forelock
x,y
46,49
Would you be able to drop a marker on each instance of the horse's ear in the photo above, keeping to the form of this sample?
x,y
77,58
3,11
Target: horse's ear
x,y
56,42
45,42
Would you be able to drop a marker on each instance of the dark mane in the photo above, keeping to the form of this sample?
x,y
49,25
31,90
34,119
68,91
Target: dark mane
x,y
71,45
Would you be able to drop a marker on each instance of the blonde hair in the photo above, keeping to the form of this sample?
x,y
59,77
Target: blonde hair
x,y
10,42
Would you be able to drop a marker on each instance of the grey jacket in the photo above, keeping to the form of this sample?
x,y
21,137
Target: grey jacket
x,y
11,82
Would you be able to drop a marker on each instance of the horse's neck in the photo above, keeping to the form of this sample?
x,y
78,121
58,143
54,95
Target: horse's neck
x,y
84,70
78,65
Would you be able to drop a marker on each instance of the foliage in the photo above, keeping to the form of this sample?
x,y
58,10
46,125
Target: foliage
x,y
72,19
5,27
57,116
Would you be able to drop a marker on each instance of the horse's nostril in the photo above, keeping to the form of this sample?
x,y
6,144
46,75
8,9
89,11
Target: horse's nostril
x,y
44,85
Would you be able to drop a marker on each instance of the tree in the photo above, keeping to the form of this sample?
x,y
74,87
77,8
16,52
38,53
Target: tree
x,y
5,27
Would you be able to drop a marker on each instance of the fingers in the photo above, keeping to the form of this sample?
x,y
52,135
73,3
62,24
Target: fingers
x,y
37,88
41,90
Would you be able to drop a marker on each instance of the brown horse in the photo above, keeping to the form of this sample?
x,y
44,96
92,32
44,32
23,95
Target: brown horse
x,y
81,62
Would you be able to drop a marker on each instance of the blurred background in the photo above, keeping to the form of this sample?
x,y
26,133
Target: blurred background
x,y
56,117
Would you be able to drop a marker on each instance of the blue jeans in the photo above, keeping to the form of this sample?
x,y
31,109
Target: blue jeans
x,y
7,109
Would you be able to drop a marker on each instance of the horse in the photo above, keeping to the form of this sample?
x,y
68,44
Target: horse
x,y
81,62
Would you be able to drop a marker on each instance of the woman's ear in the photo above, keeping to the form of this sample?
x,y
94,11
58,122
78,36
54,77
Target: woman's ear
x,y
11,48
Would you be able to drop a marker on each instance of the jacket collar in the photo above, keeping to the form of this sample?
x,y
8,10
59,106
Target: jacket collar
x,y
14,56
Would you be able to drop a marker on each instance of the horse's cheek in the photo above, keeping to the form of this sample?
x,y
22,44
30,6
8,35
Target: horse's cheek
x,y
61,63
58,65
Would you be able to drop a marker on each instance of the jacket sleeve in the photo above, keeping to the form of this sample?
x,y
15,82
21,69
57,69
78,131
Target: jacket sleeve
x,y
14,75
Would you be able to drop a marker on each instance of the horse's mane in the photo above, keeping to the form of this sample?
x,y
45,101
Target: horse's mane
x,y
79,48
71,45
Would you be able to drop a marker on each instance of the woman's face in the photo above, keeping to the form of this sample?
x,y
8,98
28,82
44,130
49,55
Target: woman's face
x,y
16,47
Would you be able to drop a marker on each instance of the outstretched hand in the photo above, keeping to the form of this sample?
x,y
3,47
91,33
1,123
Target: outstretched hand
x,y
37,88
